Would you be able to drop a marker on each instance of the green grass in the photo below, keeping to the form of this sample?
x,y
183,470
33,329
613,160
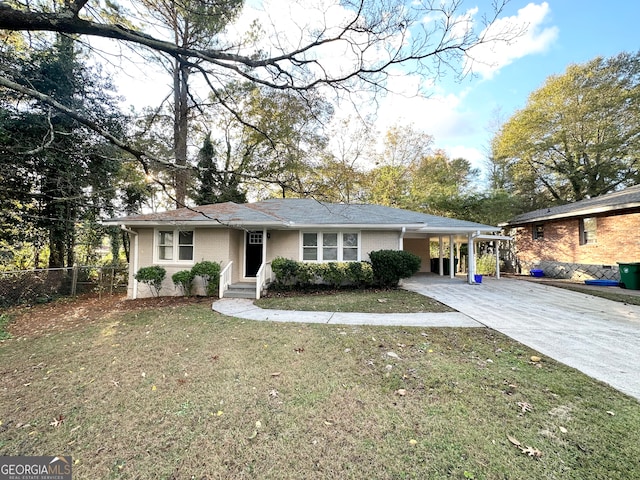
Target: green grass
x,y
367,301
183,392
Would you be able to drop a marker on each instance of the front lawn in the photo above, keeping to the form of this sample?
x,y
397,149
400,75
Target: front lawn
x,y
181,392
364,301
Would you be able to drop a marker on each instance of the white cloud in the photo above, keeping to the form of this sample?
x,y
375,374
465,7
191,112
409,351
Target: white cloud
x,y
441,115
475,156
487,59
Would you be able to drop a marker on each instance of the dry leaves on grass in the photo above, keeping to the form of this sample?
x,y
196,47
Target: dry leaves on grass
x,y
527,450
57,421
525,407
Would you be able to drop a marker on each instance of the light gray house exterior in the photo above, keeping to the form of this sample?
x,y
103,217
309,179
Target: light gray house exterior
x,y
244,238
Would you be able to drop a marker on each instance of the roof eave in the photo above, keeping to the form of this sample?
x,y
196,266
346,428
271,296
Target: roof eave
x,y
359,226
479,228
186,223
584,212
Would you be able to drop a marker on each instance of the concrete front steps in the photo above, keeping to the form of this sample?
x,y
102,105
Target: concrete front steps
x,y
241,290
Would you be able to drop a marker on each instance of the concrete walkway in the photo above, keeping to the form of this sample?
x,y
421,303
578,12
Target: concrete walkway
x,y
237,307
599,337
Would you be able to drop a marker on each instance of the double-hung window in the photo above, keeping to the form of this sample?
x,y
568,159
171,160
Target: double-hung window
x,y
588,231
330,246
538,231
174,245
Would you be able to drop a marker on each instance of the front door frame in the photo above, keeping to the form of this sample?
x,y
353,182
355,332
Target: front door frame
x,y
253,252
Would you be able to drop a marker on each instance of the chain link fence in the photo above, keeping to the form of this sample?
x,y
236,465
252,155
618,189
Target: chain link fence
x,y
43,285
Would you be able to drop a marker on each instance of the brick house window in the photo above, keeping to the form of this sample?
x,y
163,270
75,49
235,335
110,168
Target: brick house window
x,y
588,231
538,231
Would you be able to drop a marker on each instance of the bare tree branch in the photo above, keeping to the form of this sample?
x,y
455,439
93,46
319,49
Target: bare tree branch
x,y
142,156
384,29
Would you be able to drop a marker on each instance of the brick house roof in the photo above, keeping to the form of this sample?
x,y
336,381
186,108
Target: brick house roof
x,y
615,202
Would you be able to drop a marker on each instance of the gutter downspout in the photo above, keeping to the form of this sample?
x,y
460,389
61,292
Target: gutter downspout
x,y
401,239
134,253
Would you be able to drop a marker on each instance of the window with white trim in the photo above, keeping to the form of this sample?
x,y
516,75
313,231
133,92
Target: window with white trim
x,y
330,246
588,231
350,247
174,245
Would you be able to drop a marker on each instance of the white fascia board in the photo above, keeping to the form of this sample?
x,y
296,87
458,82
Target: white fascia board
x,y
455,230
409,228
345,226
492,237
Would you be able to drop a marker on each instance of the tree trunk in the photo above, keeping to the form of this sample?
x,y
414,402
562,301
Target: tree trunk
x,y
180,131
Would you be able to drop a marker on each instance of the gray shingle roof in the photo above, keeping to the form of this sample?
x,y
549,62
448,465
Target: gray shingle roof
x,y
626,199
292,213
225,213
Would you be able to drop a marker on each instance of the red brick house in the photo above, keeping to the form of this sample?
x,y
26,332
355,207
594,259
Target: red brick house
x,y
581,240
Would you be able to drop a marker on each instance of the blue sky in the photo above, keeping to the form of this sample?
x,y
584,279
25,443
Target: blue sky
x,y
577,31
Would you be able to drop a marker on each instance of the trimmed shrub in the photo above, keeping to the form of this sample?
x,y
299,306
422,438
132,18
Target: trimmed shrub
x,y
285,270
334,273
183,280
390,266
360,274
307,274
153,277
210,274
290,273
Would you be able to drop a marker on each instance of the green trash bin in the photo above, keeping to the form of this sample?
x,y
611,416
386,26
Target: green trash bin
x,y
629,275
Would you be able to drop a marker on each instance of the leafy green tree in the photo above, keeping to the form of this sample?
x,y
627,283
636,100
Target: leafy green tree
x,y
578,136
215,186
273,146
62,171
389,183
490,207
437,178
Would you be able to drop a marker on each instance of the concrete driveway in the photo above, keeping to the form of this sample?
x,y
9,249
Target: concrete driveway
x,y
596,336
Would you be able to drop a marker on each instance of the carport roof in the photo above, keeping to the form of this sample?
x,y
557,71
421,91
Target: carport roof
x,y
304,213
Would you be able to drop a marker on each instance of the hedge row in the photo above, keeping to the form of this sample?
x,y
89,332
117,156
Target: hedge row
x,y
385,269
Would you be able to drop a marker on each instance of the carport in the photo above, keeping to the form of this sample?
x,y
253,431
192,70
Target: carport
x,y
456,236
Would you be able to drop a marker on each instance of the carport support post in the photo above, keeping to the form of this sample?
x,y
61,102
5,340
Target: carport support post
x,y
471,260
452,263
440,253
497,242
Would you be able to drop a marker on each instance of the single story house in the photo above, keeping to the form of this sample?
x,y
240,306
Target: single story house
x,y
244,238
581,240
